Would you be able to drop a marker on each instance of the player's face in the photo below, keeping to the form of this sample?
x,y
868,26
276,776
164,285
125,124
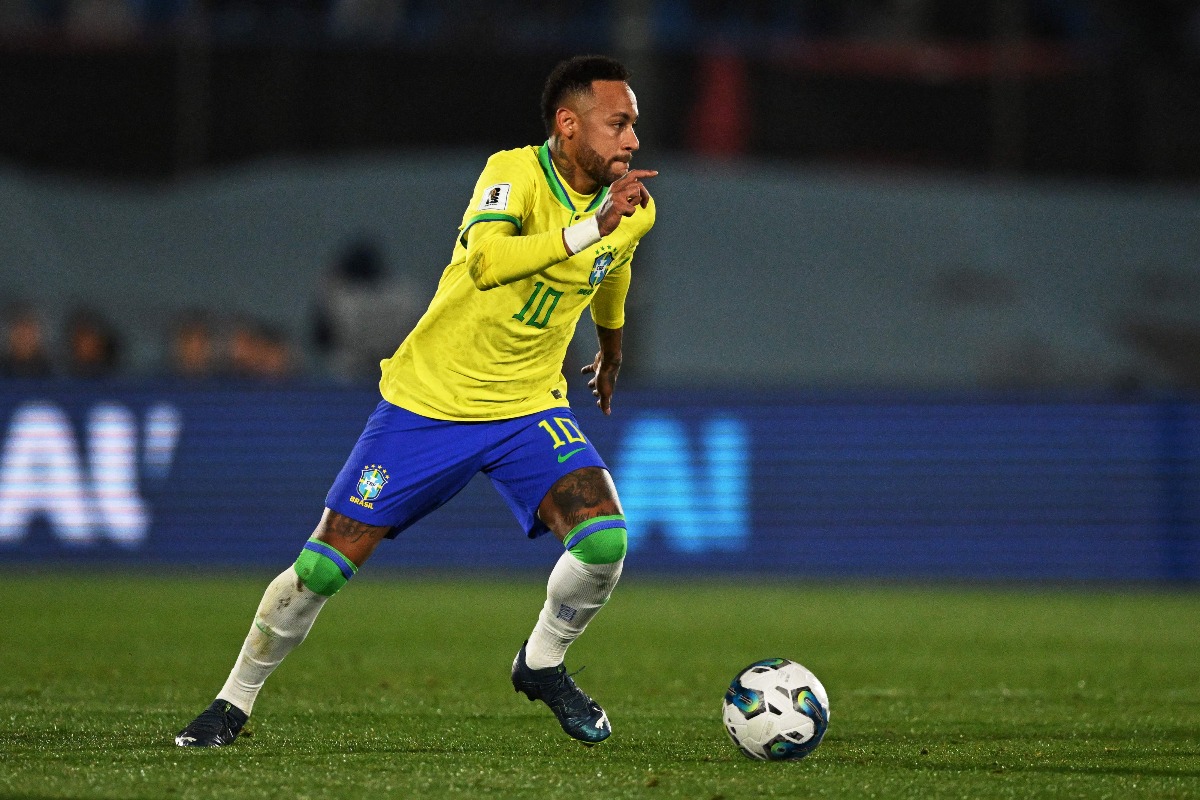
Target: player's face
x,y
606,140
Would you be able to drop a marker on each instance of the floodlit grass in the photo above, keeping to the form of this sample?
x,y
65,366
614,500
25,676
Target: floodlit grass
x,y
402,691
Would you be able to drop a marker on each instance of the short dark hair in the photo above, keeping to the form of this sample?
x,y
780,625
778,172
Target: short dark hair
x,y
574,76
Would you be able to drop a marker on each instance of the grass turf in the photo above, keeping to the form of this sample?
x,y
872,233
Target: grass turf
x,y
402,690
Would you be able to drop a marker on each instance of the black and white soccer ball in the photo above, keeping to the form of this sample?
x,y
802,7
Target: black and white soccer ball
x,y
776,710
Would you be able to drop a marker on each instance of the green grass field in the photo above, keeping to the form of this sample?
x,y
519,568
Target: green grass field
x,y
402,691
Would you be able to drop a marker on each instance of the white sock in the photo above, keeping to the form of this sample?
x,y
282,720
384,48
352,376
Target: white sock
x,y
285,616
574,594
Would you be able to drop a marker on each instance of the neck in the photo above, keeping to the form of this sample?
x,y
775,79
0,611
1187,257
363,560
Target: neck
x,y
575,177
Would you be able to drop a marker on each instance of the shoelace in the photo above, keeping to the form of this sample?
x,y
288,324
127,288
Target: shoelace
x,y
569,695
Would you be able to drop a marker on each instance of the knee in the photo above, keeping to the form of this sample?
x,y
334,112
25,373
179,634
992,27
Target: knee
x,y
323,569
600,540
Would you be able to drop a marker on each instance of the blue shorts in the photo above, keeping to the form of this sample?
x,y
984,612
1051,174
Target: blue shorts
x,y
405,465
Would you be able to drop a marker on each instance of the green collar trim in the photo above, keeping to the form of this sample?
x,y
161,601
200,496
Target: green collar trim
x,y
598,199
556,187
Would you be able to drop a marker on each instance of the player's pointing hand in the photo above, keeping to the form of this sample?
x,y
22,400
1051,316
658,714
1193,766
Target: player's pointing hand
x,y
625,196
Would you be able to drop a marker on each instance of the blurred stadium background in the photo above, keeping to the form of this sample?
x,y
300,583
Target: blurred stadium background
x,y
923,300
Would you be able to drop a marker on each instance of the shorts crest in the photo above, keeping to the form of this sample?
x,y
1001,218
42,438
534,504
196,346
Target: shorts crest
x,y
373,479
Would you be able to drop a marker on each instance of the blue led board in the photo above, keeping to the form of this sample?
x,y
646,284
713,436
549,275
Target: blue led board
x,y
795,484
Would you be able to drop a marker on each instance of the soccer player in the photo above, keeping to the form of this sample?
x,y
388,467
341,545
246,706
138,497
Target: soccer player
x,y
477,386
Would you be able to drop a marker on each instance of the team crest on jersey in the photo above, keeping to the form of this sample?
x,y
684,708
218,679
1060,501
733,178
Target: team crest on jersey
x,y
495,197
600,267
373,479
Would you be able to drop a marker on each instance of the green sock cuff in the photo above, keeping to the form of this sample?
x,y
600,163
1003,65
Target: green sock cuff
x,y
323,568
604,546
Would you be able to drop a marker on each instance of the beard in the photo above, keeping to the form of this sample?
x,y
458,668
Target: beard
x,y
596,167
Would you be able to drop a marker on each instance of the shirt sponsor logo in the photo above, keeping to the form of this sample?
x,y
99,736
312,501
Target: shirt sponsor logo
x,y
495,198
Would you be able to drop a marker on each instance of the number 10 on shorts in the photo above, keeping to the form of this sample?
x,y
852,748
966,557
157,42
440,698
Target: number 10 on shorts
x,y
569,429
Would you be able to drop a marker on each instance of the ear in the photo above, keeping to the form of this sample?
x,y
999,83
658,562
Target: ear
x,y
567,122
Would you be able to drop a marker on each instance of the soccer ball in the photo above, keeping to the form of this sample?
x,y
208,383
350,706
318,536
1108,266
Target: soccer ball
x,y
776,710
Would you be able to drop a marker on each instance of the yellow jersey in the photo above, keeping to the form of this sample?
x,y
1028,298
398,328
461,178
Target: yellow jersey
x,y
492,343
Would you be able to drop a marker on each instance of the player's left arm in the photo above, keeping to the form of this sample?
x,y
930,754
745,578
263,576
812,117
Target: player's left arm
x,y
608,312
605,367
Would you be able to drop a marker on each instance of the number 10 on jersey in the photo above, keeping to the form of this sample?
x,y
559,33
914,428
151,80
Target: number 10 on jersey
x,y
539,319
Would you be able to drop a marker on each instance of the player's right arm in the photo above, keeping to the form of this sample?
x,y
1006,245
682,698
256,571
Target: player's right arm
x,y
497,253
504,197
626,195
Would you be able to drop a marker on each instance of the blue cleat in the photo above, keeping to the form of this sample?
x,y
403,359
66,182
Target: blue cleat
x,y
580,716
217,726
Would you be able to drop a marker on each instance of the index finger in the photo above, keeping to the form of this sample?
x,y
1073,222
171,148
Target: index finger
x,y
636,175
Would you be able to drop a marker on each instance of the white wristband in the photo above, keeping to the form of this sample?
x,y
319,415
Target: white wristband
x,y
581,235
